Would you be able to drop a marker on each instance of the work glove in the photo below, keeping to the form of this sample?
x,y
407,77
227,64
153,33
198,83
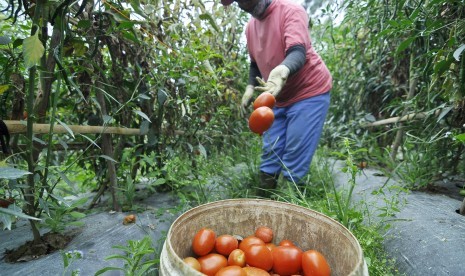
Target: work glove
x,y
246,98
276,80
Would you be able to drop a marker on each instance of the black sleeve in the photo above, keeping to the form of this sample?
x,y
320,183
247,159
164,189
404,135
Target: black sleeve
x,y
295,58
253,73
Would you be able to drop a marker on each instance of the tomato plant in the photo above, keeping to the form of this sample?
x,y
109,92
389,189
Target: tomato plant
x,y
261,119
248,241
264,99
315,264
204,241
192,262
232,270
225,244
264,233
211,263
287,260
258,255
237,257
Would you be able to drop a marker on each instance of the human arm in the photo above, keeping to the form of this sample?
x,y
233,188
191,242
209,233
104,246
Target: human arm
x,y
293,61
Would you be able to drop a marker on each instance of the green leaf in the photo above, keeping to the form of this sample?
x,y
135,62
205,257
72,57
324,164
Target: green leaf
x,y
458,52
77,215
209,18
143,115
17,214
108,268
3,88
405,44
108,158
33,50
66,127
84,24
12,173
460,137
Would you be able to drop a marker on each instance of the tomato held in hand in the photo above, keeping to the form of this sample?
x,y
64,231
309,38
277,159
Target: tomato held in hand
x,y
232,270
211,263
287,260
261,119
237,257
204,241
225,244
264,99
264,233
315,264
259,256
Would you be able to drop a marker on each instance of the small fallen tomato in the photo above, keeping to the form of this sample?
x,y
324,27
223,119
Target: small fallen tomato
x,y
204,241
129,219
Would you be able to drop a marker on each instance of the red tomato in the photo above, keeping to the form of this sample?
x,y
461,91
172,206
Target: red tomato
x,y
232,270
286,243
259,256
315,264
192,262
270,245
255,271
237,257
261,119
264,99
225,244
203,242
287,260
264,233
211,263
248,241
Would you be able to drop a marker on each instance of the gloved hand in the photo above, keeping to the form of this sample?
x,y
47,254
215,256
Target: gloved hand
x,y
247,98
276,80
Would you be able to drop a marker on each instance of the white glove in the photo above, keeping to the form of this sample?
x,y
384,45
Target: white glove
x,y
276,80
246,98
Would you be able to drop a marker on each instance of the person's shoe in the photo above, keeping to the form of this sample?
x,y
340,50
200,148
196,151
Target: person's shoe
x,y
267,182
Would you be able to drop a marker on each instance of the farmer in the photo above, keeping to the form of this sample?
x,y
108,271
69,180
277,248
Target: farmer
x,y
284,63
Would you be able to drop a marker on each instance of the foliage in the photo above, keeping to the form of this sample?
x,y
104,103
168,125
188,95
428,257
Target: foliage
x,y
391,59
138,258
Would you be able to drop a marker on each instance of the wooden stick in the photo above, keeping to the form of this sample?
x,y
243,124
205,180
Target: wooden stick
x,y
392,120
15,127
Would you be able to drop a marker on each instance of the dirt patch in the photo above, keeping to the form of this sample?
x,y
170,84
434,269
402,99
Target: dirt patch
x,y
50,243
447,188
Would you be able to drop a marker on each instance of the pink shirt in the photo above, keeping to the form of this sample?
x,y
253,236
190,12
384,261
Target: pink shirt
x,y
285,24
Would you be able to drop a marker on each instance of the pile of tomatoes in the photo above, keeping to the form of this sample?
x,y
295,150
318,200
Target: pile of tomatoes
x,y
254,255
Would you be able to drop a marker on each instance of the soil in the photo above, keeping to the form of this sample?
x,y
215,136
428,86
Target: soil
x,y
50,243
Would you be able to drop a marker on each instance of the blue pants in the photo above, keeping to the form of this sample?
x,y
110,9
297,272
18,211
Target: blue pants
x,y
289,145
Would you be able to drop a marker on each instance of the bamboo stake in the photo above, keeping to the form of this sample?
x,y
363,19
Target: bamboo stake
x,y
16,127
413,116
